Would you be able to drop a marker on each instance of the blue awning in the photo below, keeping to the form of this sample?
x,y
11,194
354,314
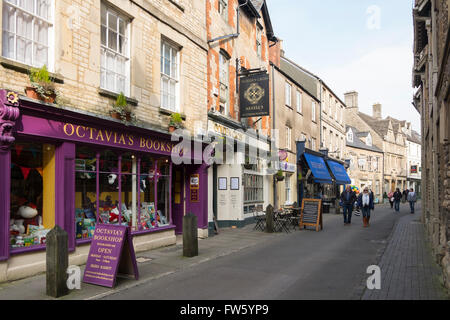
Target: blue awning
x,y
339,172
318,168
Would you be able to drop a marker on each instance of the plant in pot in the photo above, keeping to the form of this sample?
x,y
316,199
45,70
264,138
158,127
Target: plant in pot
x,y
119,107
280,176
42,87
176,122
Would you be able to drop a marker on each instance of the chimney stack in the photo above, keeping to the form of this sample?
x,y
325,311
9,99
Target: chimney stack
x,y
377,111
351,100
276,52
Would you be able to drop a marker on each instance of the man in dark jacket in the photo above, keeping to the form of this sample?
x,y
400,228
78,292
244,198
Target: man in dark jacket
x,y
348,198
397,199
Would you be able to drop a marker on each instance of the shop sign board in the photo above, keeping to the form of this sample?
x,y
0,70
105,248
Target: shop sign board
x,y
311,214
194,187
254,95
285,166
111,253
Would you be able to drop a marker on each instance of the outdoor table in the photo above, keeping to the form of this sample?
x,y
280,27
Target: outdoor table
x,y
281,221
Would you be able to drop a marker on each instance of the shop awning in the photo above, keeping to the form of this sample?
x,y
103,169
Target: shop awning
x,y
339,172
318,168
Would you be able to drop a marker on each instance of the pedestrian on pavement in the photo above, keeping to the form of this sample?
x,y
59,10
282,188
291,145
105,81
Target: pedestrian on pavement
x,y
391,199
348,198
412,198
397,199
405,195
365,202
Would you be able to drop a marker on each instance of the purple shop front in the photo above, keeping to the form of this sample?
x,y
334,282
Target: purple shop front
x,y
75,170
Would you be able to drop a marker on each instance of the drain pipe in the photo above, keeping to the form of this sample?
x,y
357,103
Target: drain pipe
x,y
234,35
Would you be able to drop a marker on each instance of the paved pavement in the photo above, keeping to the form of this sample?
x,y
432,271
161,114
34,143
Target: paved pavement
x,y
248,264
407,268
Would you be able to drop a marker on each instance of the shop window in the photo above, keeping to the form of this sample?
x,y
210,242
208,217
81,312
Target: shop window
x,y
131,190
288,189
85,192
32,211
253,188
27,28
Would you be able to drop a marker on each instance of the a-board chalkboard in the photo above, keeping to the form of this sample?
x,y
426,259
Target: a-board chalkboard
x,y
311,214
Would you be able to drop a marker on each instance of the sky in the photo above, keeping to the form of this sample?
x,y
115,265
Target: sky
x,y
353,45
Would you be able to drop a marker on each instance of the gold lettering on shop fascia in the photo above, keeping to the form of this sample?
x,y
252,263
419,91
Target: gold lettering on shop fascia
x,y
125,139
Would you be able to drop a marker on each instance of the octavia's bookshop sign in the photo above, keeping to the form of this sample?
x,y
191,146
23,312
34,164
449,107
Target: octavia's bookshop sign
x,y
111,252
254,95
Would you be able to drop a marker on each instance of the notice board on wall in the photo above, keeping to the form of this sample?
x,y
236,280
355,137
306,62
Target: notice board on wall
x,y
311,214
111,253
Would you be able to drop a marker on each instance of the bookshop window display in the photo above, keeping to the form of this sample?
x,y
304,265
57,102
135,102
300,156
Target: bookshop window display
x,y
120,188
32,197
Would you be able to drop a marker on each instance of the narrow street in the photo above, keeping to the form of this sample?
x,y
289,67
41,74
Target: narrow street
x,y
312,265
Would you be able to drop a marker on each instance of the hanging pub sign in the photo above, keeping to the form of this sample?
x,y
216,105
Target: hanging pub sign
x,y
254,95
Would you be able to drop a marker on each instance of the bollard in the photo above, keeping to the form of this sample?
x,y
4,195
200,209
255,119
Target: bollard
x,y
269,219
57,254
190,236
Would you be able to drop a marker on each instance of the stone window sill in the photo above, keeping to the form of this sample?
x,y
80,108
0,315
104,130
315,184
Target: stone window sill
x,y
113,95
169,113
26,69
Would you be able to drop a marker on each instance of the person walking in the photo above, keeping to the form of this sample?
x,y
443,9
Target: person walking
x,y
397,199
412,198
365,202
391,199
348,198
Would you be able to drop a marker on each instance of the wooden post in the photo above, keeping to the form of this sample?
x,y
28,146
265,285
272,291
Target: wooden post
x,y
269,219
57,252
190,235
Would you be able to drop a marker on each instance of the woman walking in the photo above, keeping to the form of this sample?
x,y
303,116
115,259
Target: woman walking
x,y
391,199
365,202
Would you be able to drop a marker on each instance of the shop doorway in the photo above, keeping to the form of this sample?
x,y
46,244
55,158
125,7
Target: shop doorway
x,y
178,199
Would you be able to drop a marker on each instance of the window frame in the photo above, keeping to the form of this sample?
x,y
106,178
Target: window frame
x,y
50,21
224,58
288,96
104,50
313,111
299,97
169,78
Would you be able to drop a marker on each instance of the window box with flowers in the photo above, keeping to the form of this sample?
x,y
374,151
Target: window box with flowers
x,y
42,87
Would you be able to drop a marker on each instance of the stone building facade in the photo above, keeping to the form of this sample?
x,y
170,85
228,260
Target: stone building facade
x,y
78,57
297,117
239,33
155,52
431,73
366,161
388,134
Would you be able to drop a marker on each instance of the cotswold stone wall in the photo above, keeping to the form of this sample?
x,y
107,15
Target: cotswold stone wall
x,y
76,50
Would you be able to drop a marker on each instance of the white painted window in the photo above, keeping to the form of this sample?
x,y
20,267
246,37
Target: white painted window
x,y
288,137
114,51
287,92
313,111
224,65
169,77
336,114
288,189
313,143
369,140
258,39
299,102
350,136
28,32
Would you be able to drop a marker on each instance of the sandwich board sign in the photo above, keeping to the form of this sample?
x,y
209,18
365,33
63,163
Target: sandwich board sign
x,y
311,214
111,253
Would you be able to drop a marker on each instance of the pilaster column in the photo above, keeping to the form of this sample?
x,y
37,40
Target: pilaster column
x,y
9,113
